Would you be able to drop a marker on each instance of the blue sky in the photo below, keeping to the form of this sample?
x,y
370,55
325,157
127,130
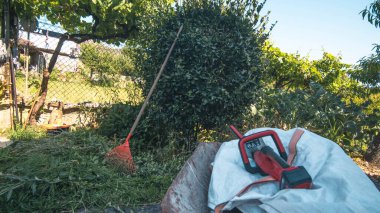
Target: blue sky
x,y
310,27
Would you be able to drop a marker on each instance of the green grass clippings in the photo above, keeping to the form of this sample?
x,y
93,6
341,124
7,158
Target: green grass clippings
x,y
68,172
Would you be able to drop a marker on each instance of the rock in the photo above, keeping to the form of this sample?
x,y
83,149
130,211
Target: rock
x,y
4,142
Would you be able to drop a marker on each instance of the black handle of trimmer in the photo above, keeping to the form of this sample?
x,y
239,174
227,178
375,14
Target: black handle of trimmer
x,y
270,152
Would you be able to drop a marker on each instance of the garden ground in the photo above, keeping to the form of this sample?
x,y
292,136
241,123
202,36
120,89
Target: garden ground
x,y
68,172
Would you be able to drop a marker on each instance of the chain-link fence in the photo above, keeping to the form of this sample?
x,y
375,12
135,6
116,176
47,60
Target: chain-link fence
x,y
87,74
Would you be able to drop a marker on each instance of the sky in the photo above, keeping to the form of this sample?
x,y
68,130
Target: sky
x,y
309,27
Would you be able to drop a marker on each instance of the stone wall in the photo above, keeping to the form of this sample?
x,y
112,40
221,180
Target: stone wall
x,y
73,117
5,120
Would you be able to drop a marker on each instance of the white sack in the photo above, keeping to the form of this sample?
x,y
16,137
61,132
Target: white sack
x,y
339,185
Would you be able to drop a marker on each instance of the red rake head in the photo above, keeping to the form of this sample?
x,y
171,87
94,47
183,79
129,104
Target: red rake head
x,y
121,157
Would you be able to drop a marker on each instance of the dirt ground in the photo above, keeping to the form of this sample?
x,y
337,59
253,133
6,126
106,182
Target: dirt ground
x,y
372,171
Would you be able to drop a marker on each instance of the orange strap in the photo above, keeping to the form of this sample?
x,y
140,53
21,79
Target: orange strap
x,y
293,145
292,154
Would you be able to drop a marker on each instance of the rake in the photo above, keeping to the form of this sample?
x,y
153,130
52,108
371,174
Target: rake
x,y
121,155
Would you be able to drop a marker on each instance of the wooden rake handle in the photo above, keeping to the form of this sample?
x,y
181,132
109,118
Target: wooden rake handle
x,y
153,86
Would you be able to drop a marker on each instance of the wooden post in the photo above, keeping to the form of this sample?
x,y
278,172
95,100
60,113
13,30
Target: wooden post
x,y
13,86
26,53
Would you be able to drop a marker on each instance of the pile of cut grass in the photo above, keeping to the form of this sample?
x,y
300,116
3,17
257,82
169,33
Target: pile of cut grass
x,y
68,172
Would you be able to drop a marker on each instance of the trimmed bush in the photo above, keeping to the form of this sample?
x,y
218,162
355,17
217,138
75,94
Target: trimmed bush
x,y
214,71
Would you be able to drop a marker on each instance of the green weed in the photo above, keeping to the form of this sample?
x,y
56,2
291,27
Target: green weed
x,y
27,134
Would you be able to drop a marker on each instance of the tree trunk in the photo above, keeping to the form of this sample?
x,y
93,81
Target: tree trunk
x,y
373,152
45,81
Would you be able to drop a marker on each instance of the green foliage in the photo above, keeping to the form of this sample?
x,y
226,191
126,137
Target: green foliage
x,y
368,72
28,134
111,20
117,120
214,70
315,109
287,71
370,66
108,64
23,58
68,172
372,13
290,71
58,75
326,96
368,75
334,74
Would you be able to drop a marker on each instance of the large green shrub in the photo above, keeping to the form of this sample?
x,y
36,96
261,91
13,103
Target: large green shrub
x,y
117,120
214,71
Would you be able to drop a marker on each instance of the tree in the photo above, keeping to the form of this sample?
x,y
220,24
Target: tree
x,y
214,71
99,20
369,75
368,71
316,94
287,71
335,76
372,12
314,108
108,63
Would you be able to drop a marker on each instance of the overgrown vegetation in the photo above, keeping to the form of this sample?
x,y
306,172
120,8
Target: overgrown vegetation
x,y
194,97
221,72
106,65
68,172
214,71
116,120
315,109
370,77
322,95
28,134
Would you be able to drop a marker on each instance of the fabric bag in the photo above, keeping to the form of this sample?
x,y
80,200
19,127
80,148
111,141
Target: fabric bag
x,y
339,185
